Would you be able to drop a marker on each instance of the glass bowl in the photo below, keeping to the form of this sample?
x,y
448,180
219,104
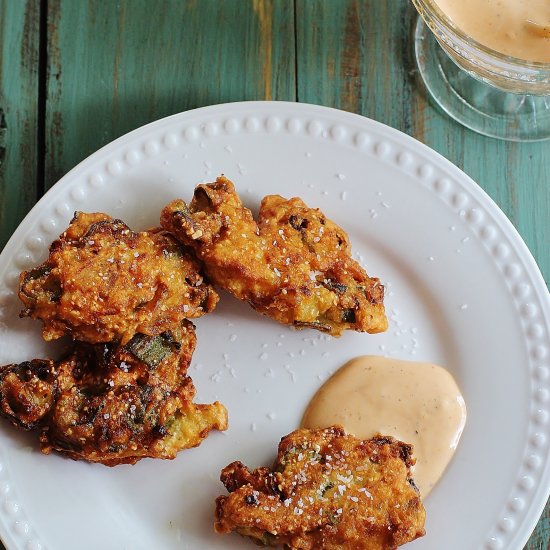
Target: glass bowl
x,y
490,92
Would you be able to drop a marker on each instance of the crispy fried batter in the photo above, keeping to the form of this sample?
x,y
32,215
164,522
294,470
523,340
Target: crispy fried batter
x,y
113,404
326,490
102,282
293,265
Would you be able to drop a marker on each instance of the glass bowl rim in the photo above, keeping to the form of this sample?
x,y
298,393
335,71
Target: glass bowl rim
x,y
435,11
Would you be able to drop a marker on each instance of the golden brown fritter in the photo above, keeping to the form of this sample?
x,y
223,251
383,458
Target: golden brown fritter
x,y
293,264
102,282
113,404
326,490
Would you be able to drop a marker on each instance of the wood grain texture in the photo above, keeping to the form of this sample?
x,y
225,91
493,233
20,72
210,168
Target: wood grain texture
x,y
19,44
114,66
358,56
135,61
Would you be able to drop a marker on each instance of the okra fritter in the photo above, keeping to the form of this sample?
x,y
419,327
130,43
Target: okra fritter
x,y
103,282
111,403
293,264
326,490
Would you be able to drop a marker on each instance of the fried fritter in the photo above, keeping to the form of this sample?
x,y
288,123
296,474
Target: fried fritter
x,y
293,264
326,490
103,282
110,403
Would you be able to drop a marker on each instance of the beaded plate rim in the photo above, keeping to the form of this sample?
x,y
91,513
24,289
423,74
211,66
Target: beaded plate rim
x,y
456,190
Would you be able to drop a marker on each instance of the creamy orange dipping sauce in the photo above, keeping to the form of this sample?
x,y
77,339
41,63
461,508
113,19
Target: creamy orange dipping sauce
x,y
520,28
417,403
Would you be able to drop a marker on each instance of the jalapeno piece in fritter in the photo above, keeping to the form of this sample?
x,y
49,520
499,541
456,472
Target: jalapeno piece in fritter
x,y
326,490
103,282
112,403
293,264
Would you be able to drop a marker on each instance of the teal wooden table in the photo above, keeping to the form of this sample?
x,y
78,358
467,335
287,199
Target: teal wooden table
x,y
76,74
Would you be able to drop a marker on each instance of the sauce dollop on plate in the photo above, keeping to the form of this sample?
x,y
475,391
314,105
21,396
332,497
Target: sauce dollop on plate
x,y
417,403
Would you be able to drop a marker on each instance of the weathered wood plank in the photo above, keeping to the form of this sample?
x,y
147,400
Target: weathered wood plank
x,y
357,56
113,67
19,52
540,540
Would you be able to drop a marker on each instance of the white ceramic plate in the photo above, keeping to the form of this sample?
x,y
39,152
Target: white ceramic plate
x,y
462,291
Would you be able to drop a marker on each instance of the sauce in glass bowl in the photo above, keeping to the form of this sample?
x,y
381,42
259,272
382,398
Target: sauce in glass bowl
x,y
518,28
